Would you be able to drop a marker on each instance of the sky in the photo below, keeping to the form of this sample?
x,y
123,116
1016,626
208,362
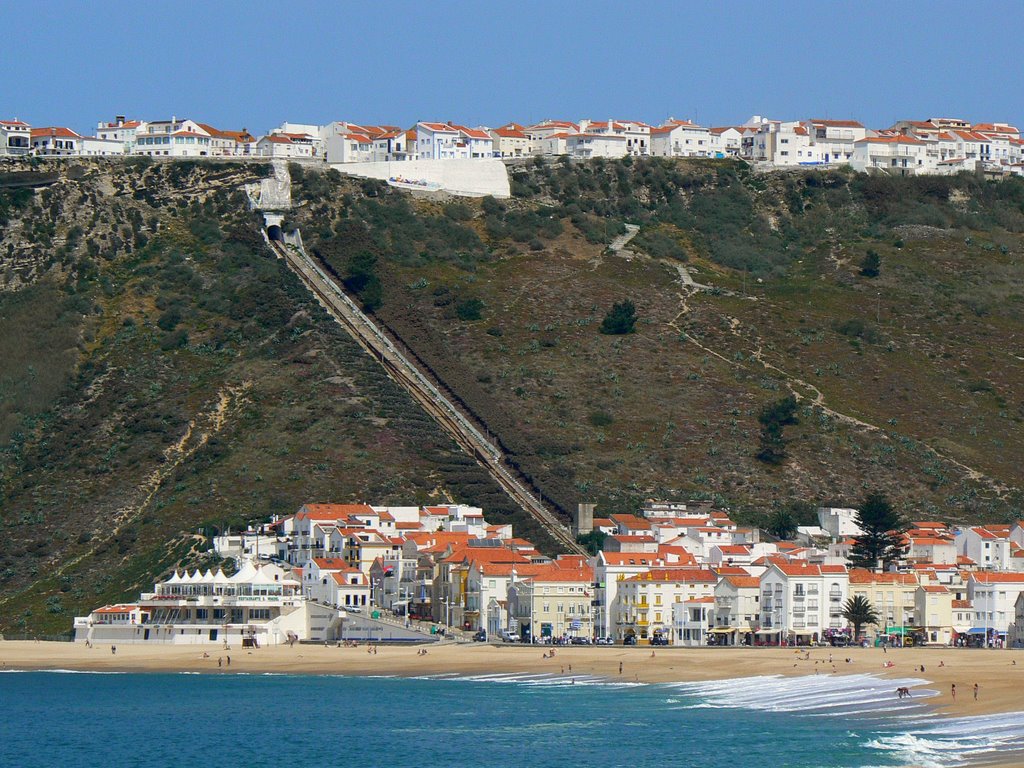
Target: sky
x,y
257,64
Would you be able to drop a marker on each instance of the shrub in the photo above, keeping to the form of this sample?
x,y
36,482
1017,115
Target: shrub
x,y
621,319
469,309
871,265
458,212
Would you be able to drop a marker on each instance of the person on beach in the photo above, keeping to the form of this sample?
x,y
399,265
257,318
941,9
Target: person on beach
x,y
620,667
229,661
113,650
975,691
220,661
952,690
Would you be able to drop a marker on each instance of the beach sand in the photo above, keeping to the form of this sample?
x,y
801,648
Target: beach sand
x,y
1000,681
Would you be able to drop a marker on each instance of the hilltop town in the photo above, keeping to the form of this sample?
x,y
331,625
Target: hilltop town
x,y
676,573
937,145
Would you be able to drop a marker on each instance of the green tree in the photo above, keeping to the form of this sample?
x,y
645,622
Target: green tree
x,y
361,278
871,265
593,541
781,523
859,611
621,319
773,417
881,537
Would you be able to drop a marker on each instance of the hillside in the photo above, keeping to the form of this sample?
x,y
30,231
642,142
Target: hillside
x,y
163,376
909,381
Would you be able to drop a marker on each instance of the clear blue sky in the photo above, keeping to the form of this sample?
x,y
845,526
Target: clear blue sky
x,y
255,64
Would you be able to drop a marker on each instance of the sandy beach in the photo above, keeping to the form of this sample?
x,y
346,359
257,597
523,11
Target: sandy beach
x,y
1000,681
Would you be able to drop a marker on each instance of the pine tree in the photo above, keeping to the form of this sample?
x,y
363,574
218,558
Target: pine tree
x,y
881,537
773,417
621,319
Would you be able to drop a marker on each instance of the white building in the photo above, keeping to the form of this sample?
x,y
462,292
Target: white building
x,y
259,605
447,141
800,602
645,603
172,138
55,141
590,145
610,570
91,146
840,522
986,546
15,138
728,139
898,155
333,582
737,610
693,621
119,130
682,138
280,145
834,139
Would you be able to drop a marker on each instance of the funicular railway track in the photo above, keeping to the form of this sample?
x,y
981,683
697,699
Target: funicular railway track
x,y
408,375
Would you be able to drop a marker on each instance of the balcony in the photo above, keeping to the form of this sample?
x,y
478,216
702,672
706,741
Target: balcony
x,y
799,596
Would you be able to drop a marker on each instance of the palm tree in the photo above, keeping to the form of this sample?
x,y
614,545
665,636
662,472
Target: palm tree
x,y
858,611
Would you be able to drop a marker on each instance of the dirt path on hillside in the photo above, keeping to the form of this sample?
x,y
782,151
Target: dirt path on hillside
x,y
803,390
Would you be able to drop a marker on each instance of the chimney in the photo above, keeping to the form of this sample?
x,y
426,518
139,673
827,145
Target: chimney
x,y
119,119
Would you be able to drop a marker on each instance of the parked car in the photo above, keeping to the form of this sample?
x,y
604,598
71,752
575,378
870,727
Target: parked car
x,y
509,636
480,636
580,641
604,641
659,640
629,640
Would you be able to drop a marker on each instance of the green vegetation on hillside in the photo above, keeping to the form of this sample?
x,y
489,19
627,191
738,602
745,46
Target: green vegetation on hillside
x,y
790,311
166,378
163,377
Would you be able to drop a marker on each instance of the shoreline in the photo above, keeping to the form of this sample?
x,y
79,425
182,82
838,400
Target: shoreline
x,y
999,679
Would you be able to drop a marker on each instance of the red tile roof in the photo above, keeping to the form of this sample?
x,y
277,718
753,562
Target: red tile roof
x,y
743,582
58,131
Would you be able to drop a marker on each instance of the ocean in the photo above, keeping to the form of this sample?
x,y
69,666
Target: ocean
x,y
505,721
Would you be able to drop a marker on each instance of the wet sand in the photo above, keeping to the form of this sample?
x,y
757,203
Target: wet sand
x,y
1001,683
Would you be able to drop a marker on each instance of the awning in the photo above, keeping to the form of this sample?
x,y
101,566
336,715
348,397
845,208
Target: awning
x,y
801,632
977,631
768,631
722,631
901,630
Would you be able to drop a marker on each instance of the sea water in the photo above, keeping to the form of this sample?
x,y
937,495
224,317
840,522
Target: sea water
x,y
52,719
